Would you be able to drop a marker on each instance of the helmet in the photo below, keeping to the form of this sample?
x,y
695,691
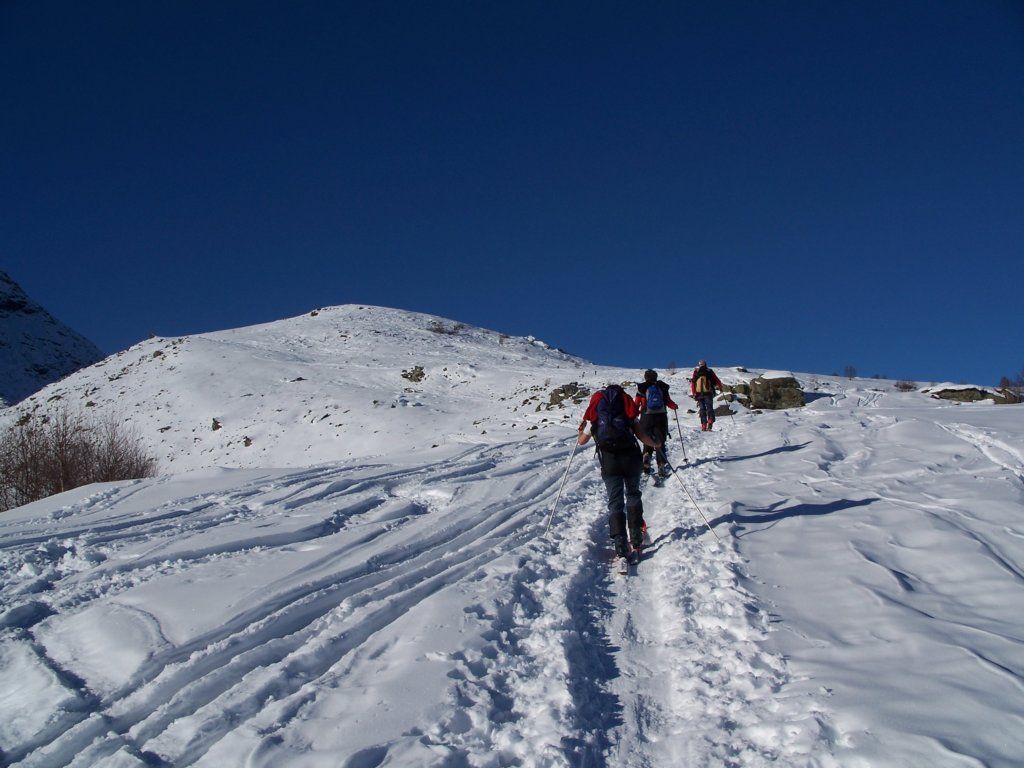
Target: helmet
x,y
650,376
702,363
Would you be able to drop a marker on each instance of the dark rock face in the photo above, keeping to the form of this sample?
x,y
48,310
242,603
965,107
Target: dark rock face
x,y
35,348
774,394
571,391
736,393
416,375
974,395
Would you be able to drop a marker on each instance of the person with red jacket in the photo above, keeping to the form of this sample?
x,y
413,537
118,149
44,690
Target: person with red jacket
x,y
654,402
703,385
612,416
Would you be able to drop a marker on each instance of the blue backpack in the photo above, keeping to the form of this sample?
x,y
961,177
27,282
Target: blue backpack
x,y
655,398
614,432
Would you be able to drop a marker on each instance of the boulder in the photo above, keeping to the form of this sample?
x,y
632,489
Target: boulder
x,y
776,393
571,391
416,375
973,395
736,393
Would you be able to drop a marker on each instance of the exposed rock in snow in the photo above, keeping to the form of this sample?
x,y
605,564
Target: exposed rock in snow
x,y
968,393
776,392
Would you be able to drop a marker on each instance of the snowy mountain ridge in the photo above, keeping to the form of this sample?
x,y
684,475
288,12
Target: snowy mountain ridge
x,y
335,383
35,348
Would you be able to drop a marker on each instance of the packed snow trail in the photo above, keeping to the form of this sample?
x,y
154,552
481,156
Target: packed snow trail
x,y
383,615
682,678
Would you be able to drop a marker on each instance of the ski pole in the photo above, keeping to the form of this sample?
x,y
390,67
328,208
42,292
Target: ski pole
x,y
693,502
559,495
681,443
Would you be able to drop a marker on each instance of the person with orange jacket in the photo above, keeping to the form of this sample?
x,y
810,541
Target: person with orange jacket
x,y
703,386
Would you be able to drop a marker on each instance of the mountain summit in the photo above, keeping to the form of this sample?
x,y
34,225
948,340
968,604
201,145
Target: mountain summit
x,y
35,348
333,383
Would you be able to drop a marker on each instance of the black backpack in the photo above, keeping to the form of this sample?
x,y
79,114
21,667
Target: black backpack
x,y
614,431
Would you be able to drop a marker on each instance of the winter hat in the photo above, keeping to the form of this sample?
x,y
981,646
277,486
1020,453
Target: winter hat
x,y
650,376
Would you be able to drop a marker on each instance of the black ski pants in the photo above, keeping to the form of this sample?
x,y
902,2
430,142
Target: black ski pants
x,y
656,426
621,475
706,408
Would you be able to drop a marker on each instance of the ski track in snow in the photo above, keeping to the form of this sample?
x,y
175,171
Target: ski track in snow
x,y
999,452
558,660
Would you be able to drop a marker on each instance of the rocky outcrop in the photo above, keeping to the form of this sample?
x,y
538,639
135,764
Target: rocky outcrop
x,y
35,348
571,391
736,393
974,395
772,394
416,375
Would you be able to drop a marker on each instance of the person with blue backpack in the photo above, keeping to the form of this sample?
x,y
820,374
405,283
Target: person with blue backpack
x,y
654,402
612,415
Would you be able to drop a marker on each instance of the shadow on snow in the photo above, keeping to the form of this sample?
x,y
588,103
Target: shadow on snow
x,y
722,459
591,656
740,517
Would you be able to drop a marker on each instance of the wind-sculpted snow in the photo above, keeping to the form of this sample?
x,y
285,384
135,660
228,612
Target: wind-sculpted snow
x,y
887,534
365,614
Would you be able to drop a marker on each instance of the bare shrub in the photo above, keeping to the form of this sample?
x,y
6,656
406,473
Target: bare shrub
x,y
905,386
41,455
850,372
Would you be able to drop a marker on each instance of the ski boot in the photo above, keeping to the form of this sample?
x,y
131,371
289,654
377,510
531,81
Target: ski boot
x,y
636,539
621,555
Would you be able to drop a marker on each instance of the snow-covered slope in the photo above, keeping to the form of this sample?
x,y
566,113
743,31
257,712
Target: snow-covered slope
x,y
886,532
386,614
35,349
400,606
323,386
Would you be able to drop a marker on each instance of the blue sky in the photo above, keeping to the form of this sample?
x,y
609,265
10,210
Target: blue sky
x,y
797,185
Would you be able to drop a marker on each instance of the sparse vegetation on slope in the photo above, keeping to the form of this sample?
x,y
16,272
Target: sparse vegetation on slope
x,y
46,454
